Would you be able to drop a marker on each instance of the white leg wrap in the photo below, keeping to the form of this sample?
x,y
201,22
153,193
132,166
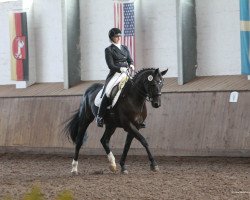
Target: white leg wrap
x,y
74,166
111,159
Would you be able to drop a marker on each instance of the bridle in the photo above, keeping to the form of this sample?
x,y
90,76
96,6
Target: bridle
x,y
147,96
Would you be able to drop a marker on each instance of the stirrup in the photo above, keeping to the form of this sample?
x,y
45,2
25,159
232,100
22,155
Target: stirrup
x,y
99,121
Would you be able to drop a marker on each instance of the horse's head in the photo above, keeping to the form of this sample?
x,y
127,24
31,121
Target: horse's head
x,y
154,85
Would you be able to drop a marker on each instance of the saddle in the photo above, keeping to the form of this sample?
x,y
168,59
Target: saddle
x,y
115,94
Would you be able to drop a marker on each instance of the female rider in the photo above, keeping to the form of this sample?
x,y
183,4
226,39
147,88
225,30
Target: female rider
x,y
118,60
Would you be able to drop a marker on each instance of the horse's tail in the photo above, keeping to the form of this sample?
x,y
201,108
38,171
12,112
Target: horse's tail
x,y
79,117
73,123
71,128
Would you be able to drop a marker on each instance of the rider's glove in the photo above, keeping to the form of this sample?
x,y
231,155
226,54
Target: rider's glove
x,y
132,67
123,69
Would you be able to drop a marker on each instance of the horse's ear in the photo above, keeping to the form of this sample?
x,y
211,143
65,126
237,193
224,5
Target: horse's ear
x,y
164,72
156,71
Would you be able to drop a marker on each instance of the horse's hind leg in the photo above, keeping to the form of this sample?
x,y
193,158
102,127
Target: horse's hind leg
x,y
105,143
128,142
79,141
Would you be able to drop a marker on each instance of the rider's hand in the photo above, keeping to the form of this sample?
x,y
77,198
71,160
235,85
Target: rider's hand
x,y
132,67
123,69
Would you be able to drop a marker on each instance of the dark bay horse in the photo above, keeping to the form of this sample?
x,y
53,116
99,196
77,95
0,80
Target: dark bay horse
x,y
129,113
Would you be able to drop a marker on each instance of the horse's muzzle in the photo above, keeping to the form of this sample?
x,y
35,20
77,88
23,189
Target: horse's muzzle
x,y
156,101
156,104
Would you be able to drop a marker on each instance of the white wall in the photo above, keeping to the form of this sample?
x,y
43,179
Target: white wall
x,y
218,43
28,8
49,42
217,27
155,36
156,43
46,37
96,20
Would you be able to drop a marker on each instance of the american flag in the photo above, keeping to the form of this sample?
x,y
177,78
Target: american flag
x,y
124,19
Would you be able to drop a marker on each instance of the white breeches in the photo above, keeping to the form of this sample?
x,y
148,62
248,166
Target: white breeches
x,y
113,82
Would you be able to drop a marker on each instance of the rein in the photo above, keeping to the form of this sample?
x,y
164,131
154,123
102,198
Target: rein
x,y
140,92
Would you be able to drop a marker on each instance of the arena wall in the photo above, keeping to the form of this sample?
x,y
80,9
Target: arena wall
x,y
187,124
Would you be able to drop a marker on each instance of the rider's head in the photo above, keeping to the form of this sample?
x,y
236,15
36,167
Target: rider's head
x,y
115,34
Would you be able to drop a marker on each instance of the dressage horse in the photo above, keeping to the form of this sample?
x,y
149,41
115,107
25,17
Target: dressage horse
x,y
129,113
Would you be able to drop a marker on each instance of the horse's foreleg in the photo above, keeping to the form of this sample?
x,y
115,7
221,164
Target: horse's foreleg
x,y
128,142
142,140
105,143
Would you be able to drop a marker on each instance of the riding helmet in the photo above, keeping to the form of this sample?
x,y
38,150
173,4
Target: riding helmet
x,y
114,32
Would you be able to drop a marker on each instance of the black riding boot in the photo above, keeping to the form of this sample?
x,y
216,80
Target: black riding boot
x,y
102,111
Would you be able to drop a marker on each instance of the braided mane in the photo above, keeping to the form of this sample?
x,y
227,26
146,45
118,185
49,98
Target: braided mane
x,y
141,71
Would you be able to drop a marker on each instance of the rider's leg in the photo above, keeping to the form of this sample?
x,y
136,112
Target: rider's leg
x,y
105,100
103,107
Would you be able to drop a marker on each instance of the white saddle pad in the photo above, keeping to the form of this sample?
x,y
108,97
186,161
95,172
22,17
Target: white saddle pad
x,y
98,98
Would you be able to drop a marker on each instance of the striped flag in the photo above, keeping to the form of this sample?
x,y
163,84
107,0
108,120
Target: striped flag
x,y
19,46
245,36
124,19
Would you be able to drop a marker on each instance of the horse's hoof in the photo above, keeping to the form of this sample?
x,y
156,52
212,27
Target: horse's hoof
x,y
74,173
112,168
124,169
125,172
154,168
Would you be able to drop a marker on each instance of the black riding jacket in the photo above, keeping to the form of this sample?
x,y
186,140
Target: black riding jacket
x,y
117,58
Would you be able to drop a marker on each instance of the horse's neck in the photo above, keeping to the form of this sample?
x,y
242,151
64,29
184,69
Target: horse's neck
x,y
137,93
